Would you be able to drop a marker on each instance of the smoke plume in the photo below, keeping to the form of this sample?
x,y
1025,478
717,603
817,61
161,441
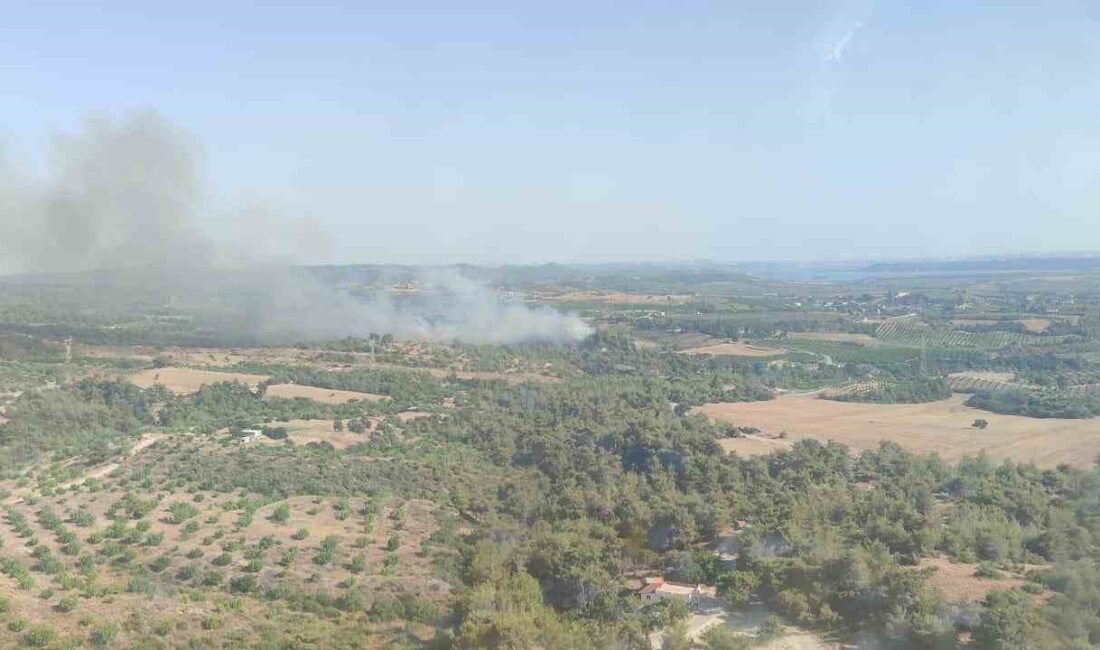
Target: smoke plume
x,y
127,194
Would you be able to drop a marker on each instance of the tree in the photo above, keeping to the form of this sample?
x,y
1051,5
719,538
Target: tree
x,y
1005,622
737,586
337,425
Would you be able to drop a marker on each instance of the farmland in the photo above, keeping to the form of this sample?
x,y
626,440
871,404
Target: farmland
x,y
909,331
737,349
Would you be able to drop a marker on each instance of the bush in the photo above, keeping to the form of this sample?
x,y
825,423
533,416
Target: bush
x,y
222,560
300,534
67,604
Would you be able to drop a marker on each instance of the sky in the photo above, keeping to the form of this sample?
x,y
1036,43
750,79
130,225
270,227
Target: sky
x,y
528,132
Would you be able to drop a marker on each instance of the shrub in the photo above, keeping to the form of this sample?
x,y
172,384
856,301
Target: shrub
x,y
393,543
386,608
68,603
242,584
358,563
181,511
300,534
40,636
103,635
281,513
140,584
222,560
288,557
211,579
194,554
18,625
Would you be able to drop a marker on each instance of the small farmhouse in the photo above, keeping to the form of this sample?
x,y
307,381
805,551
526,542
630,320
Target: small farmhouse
x,y
657,589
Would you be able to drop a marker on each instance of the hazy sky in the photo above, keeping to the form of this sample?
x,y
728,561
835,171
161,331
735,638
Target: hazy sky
x,y
522,131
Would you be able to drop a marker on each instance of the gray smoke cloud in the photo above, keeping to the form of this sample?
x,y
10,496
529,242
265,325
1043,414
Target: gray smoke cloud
x,y
127,194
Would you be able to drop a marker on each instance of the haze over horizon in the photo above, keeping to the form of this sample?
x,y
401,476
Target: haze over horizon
x,y
505,133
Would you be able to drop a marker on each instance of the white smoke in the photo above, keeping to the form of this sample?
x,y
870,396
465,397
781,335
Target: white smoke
x,y
127,194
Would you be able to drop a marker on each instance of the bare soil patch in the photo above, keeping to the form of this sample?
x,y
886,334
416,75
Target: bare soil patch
x,y
190,380
1035,325
738,349
323,395
941,427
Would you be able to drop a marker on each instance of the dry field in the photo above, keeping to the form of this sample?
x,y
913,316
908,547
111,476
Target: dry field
x,y
942,427
985,375
753,445
619,297
738,349
323,395
303,432
957,582
189,380
840,337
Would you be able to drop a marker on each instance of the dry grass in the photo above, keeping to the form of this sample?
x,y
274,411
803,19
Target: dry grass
x,y
323,395
189,380
957,582
841,337
738,349
941,427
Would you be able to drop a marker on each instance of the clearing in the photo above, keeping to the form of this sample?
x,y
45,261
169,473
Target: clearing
x,y
323,395
738,349
942,427
184,381
753,445
957,582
